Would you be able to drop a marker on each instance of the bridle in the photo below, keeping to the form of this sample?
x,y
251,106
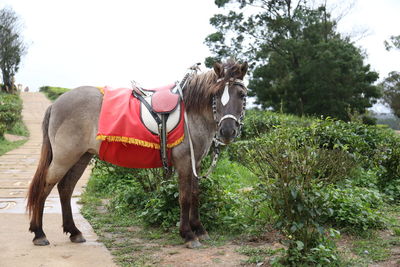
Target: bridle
x,y
239,121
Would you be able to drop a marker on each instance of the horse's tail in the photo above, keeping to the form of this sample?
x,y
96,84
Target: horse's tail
x,y
36,192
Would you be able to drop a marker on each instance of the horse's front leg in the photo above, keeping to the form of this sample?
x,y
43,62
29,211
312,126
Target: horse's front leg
x,y
195,224
185,199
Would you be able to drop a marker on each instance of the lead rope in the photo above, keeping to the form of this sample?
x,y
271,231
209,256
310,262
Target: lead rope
x,y
182,84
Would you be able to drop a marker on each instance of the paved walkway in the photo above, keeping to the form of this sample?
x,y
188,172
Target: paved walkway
x,y
17,168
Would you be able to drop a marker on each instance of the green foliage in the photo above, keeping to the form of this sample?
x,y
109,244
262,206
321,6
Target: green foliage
x,y
389,172
320,172
257,254
391,91
155,201
393,43
20,129
11,121
6,146
53,92
294,172
10,111
301,65
303,175
375,248
12,48
257,123
352,207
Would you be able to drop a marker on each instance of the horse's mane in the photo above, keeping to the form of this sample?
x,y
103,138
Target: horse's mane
x,y
200,89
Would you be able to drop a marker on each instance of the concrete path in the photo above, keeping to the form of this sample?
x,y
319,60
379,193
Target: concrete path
x,y
17,168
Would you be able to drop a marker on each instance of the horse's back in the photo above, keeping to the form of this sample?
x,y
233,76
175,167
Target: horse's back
x,y
74,118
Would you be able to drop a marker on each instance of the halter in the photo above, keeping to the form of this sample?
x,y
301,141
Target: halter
x,y
228,116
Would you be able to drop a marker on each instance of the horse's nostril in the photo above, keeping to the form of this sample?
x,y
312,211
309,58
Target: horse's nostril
x,y
233,132
230,132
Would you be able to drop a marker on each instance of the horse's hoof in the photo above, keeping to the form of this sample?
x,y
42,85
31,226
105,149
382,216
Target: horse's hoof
x,y
42,241
193,244
204,237
77,238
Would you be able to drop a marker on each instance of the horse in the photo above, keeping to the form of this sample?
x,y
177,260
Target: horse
x,y
214,102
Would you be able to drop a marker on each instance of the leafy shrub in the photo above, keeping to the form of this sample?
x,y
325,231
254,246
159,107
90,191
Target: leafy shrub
x,y
294,171
369,120
352,208
10,111
360,140
53,92
257,122
156,201
389,172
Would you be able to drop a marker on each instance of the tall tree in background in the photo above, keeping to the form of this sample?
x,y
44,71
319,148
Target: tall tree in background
x,y
391,91
12,48
391,84
301,65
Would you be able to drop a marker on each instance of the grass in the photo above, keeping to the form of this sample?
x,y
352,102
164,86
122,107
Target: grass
x,y
19,129
259,254
373,249
130,244
377,246
6,146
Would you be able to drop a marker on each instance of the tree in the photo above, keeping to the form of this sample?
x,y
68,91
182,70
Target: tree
x,y
301,65
391,91
393,43
12,48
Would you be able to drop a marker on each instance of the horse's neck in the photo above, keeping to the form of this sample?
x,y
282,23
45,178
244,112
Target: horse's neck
x,y
202,129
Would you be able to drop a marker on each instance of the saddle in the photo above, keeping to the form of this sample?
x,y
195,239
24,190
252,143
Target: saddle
x,y
162,99
160,112
124,127
157,102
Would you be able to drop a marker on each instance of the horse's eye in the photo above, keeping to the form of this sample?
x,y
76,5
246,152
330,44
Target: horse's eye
x,y
242,95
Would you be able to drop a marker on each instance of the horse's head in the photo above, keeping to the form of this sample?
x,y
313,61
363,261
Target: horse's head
x,y
229,101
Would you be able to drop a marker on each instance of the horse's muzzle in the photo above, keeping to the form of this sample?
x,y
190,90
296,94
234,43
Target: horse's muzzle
x,y
227,132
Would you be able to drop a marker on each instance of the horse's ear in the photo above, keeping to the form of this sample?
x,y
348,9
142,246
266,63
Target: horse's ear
x,y
219,70
243,69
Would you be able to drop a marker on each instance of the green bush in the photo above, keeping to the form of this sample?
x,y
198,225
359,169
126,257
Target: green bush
x,y
352,208
389,170
294,168
10,111
226,199
374,148
53,92
359,140
259,122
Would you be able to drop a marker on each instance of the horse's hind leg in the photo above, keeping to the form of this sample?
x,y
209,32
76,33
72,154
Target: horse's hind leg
x,y
36,225
54,175
65,188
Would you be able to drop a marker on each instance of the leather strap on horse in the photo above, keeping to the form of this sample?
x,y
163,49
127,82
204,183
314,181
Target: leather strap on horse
x,y
162,131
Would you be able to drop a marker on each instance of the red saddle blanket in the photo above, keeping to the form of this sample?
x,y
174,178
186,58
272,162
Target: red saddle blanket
x,y
126,141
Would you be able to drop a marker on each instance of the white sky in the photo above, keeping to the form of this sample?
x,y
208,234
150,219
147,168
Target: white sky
x,y
99,42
